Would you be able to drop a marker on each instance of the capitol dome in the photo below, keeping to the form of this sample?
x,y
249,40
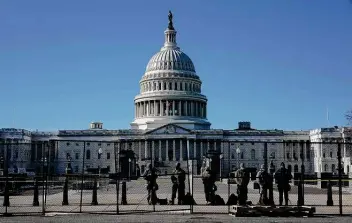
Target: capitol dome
x,y
170,59
170,90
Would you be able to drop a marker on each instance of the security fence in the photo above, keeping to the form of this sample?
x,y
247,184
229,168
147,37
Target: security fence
x,y
40,179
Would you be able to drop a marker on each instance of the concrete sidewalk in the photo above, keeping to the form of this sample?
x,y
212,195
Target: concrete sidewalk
x,y
161,218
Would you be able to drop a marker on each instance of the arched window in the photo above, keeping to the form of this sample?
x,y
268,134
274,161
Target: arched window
x,y
325,167
186,87
333,168
159,86
176,86
330,154
181,86
348,168
253,154
242,155
154,86
289,168
164,86
170,86
88,154
295,169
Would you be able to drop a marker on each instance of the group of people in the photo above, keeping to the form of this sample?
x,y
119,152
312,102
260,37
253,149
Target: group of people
x,y
282,179
178,179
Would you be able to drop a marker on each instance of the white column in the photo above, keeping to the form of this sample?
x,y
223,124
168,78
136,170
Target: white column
x,y
201,149
195,149
181,152
153,150
167,150
173,107
145,149
167,108
155,108
304,150
174,150
196,108
140,150
161,108
180,108
191,105
160,158
35,152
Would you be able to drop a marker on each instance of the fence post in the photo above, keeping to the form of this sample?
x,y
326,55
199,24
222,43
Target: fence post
x,y
94,194
6,202
36,193
82,176
117,169
340,175
228,175
65,192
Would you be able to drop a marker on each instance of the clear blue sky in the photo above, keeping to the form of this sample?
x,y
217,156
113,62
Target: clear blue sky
x,y
278,64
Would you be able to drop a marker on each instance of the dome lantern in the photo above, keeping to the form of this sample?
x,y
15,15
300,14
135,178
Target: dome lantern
x,y
170,35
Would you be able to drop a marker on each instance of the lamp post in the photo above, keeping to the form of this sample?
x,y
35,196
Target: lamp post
x,y
100,151
129,168
238,151
221,157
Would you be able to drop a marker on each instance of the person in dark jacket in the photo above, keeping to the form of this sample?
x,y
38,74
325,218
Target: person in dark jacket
x,y
209,185
150,175
178,180
282,179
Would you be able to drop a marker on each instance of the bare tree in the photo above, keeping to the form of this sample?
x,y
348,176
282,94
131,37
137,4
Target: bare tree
x,y
349,116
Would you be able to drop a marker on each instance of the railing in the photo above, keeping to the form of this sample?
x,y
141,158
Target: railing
x,y
98,193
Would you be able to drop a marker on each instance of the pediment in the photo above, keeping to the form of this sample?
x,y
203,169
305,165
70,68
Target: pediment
x,y
168,129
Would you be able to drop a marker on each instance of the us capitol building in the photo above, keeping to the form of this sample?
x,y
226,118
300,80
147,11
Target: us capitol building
x,y
171,125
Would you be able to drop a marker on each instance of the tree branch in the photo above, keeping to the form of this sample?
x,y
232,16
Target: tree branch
x,y
348,116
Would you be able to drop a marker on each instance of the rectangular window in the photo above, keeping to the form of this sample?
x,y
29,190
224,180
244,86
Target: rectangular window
x,y
108,156
88,143
77,156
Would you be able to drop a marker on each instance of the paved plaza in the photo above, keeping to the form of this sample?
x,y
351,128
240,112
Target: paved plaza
x,y
137,199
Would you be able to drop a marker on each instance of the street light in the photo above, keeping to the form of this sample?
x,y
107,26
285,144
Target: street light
x,y
221,156
238,151
129,168
100,151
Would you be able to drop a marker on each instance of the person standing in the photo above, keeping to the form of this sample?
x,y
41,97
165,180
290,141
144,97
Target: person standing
x,y
209,185
242,180
282,179
150,175
178,181
263,181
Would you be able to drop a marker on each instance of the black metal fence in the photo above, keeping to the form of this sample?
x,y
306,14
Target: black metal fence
x,y
73,183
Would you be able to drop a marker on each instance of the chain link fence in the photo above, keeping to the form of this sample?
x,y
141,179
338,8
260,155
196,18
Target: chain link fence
x,y
42,178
